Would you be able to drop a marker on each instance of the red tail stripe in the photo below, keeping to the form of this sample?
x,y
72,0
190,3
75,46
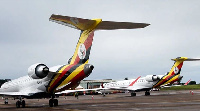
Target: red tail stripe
x,y
87,43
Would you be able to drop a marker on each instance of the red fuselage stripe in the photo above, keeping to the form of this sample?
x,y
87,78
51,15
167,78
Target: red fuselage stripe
x,y
76,79
61,75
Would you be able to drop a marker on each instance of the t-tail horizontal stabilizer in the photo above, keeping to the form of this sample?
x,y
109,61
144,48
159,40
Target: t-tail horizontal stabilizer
x,y
184,59
84,24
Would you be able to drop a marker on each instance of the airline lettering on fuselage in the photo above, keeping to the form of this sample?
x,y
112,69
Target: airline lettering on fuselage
x,y
39,82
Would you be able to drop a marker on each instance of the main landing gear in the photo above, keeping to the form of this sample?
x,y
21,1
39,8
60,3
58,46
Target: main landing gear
x,y
20,103
147,93
53,102
133,94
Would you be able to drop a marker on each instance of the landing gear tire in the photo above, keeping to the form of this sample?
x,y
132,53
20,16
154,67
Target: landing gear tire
x,y
147,93
133,94
18,103
55,101
51,102
23,104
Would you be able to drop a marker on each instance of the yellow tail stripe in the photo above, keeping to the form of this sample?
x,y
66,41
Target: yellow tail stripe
x,y
83,37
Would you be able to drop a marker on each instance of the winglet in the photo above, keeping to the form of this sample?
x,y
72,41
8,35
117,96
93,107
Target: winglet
x,y
134,81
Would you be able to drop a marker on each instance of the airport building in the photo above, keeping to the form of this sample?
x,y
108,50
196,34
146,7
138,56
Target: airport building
x,y
90,84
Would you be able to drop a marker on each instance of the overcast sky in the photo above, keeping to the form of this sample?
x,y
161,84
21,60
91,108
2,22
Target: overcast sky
x,y
28,37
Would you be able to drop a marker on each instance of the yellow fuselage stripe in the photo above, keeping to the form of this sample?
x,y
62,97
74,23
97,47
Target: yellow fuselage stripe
x,y
72,75
172,79
60,71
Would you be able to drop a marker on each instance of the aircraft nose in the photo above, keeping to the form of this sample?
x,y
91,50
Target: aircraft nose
x,y
88,69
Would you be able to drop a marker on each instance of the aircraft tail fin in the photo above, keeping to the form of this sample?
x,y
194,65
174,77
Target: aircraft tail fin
x,y
174,74
176,68
187,82
87,27
101,86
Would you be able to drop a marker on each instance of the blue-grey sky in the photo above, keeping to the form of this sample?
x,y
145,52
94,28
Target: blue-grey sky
x,y
28,37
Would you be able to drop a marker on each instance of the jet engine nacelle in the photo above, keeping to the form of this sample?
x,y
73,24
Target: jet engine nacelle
x,y
38,71
151,78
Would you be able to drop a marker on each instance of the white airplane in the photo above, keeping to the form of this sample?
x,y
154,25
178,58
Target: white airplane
x,y
43,82
150,81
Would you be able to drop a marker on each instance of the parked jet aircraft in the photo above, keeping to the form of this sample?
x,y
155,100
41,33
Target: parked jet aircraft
x,y
170,85
42,81
150,81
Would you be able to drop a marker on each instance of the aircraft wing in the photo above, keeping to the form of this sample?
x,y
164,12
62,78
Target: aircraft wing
x,y
78,90
25,92
14,93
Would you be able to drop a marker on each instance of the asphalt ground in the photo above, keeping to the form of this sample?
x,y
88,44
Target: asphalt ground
x,y
157,101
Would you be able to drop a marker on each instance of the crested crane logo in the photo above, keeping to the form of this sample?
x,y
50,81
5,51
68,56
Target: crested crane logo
x,y
176,70
82,51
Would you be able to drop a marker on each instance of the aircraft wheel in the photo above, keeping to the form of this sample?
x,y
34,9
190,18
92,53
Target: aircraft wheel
x,y
133,94
55,102
51,102
147,93
18,103
23,104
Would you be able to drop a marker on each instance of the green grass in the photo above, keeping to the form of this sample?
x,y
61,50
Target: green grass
x,y
188,87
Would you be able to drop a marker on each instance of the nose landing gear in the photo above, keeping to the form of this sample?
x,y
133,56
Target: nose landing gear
x,y
20,103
